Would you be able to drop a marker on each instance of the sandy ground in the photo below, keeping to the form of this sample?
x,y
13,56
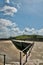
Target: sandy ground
x,y
36,57
11,52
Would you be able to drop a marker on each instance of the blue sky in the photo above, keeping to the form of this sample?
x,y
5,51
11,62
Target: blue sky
x,y
21,16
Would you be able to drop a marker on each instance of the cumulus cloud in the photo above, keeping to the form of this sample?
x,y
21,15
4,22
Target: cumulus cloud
x,y
5,22
8,28
40,32
29,31
4,32
8,10
33,31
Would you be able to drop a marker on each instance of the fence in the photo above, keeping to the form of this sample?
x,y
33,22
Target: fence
x,y
23,57
23,61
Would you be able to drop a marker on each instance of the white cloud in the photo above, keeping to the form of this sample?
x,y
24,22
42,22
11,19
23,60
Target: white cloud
x,y
40,32
33,31
19,5
4,32
7,1
8,28
8,10
15,29
29,30
5,22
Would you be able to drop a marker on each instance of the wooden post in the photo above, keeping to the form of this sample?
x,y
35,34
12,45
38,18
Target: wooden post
x,y
20,59
4,59
26,56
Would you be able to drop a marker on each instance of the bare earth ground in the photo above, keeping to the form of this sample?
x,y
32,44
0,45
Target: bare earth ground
x,y
11,52
36,57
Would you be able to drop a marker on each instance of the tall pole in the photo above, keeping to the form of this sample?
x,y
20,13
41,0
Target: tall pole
x,y
20,59
26,56
4,59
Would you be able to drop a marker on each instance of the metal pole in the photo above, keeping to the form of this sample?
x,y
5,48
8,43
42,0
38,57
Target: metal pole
x,y
4,59
20,59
